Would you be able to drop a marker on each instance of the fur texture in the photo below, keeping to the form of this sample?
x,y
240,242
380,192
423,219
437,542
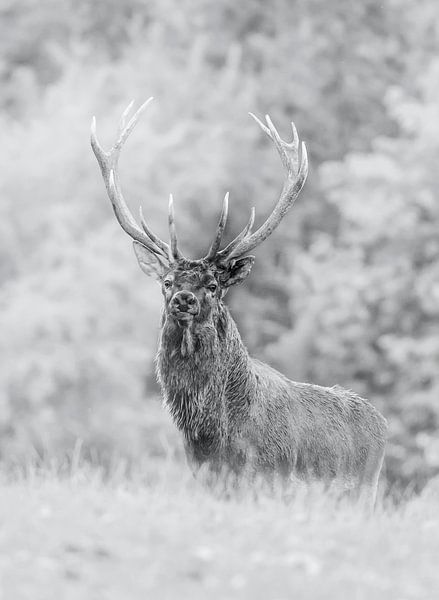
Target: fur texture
x,y
238,413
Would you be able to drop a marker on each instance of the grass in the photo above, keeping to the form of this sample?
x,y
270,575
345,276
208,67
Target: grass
x,y
156,534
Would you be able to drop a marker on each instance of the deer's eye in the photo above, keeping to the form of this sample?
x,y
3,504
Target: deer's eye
x,y
212,287
167,284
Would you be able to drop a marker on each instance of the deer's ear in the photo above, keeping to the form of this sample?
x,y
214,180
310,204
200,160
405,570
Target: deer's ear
x,y
238,271
149,262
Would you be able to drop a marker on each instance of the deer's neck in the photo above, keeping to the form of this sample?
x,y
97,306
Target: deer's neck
x,y
204,374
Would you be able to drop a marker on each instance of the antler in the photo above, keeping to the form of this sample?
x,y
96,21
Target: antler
x,y
297,172
108,163
245,241
222,254
213,250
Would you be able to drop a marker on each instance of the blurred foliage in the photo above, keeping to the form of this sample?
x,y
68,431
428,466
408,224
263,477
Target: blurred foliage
x,y
346,291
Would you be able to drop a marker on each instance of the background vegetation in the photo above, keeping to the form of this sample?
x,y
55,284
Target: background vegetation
x,y
346,292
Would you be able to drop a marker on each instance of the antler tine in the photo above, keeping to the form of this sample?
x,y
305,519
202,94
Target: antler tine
x,y
125,130
219,230
289,162
157,241
123,118
124,216
241,236
108,162
176,254
296,177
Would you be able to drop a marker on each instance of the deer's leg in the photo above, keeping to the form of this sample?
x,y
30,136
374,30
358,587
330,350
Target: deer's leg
x,y
368,484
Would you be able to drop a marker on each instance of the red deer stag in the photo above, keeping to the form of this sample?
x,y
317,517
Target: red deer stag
x,y
237,413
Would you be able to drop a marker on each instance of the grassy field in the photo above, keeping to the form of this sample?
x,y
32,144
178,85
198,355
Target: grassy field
x,y
74,535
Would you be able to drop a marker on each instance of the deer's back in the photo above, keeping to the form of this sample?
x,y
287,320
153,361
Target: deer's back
x,y
310,429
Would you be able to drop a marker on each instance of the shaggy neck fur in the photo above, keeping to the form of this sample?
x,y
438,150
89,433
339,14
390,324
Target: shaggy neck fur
x,y
204,371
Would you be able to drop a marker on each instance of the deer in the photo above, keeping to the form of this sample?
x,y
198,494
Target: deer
x,y
237,414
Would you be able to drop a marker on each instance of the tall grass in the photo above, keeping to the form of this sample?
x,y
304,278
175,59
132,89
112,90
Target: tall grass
x,y
74,530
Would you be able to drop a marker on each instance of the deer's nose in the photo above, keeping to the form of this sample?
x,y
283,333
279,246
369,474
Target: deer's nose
x,y
185,301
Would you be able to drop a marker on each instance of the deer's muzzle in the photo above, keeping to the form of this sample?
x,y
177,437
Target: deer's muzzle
x,y
184,305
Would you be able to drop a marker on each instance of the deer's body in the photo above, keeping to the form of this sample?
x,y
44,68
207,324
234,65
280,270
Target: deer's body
x,y
238,414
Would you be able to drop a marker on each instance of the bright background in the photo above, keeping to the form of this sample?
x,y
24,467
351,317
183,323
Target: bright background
x,y
345,292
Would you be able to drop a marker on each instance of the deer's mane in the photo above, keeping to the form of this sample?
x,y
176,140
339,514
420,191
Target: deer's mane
x,y
195,383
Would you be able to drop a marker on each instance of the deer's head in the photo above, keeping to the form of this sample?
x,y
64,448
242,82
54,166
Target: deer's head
x,y
192,289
